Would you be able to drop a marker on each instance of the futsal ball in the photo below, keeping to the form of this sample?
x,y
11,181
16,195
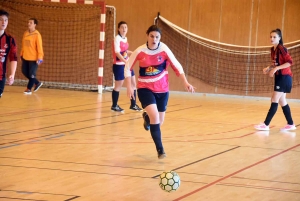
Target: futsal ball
x,y
169,181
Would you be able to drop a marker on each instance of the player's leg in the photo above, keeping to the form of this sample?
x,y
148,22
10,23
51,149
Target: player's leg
x,y
133,105
162,102
37,83
25,71
2,85
32,75
273,108
118,71
285,107
151,118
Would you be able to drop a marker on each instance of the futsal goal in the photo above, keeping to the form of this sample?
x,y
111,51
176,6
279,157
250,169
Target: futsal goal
x,y
222,65
76,35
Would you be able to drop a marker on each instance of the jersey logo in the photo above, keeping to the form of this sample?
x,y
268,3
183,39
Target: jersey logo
x,y
152,71
159,58
277,87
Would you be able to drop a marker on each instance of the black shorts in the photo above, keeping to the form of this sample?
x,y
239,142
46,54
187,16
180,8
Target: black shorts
x,y
147,97
118,71
283,83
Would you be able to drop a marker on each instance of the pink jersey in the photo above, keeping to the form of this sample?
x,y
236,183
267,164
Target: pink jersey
x,y
153,65
120,45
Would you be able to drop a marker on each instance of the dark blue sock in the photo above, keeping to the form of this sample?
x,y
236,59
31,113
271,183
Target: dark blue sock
x,y
115,98
271,113
156,136
287,113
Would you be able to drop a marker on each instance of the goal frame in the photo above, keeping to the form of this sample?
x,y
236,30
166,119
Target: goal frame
x,y
101,34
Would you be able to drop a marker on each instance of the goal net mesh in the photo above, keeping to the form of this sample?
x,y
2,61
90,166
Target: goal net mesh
x,y
70,34
227,66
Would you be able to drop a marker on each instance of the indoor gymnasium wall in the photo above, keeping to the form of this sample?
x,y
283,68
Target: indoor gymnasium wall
x,y
238,22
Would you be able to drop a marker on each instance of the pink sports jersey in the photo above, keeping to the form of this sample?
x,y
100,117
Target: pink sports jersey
x,y
153,65
120,45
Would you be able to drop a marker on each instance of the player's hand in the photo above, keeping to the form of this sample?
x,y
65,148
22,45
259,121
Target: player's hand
x,y
190,87
10,80
130,93
266,70
39,61
272,72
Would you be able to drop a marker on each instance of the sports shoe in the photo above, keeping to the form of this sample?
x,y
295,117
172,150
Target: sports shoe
x,y
0,95
117,109
288,128
161,154
136,108
36,87
146,121
262,127
27,91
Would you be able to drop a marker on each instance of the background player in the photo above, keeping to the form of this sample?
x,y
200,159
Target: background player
x,y
121,55
281,67
32,55
153,85
8,49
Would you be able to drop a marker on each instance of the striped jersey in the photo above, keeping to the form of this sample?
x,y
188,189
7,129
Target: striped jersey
x,y
8,50
281,56
153,65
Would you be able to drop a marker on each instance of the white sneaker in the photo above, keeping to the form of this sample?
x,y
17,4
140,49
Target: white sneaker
x,y
262,127
288,128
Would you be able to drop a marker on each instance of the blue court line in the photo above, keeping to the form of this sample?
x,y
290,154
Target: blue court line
x,y
32,141
10,146
49,138
24,192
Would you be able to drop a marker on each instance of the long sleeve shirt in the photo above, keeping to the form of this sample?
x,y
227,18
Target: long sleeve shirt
x,y
281,56
32,47
8,50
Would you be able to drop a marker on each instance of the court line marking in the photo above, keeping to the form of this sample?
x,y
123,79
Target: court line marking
x,y
183,166
260,187
284,182
11,198
234,173
34,192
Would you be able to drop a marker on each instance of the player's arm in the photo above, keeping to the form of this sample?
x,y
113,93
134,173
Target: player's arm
x,y
267,69
40,50
13,61
22,48
176,66
127,73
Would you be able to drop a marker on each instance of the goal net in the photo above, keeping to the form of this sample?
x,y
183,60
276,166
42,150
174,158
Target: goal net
x,y
70,34
221,65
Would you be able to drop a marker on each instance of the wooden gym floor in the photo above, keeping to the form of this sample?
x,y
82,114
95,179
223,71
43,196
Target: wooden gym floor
x,y
60,145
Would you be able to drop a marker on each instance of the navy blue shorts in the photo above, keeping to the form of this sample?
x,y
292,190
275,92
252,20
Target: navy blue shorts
x,y
283,83
147,97
118,71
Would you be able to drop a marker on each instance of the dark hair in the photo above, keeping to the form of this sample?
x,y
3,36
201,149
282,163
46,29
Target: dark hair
x,y
3,12
278,32
119,24
35,21
153,28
